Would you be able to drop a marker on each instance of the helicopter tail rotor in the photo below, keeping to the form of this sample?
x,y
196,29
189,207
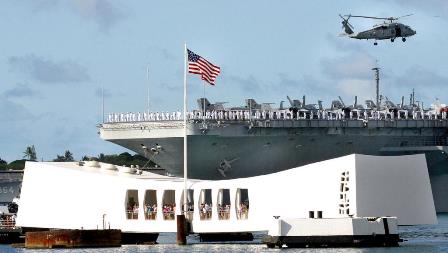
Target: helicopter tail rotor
x,y
348,28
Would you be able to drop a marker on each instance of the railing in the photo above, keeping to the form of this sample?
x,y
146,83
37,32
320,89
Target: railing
x,y
242,214
224,214
188,215
168,215
150,215
7,223
132,215
205,214
244,115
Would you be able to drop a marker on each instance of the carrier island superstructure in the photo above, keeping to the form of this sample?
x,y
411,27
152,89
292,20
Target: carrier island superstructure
x,y
256,139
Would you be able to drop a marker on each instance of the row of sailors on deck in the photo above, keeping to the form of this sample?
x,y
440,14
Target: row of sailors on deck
x,y
280,114
152,116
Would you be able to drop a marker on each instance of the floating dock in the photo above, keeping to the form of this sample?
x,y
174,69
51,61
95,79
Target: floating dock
x,y
339,232
73,239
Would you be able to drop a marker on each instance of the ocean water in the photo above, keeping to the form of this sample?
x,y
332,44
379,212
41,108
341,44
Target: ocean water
x,y
431,238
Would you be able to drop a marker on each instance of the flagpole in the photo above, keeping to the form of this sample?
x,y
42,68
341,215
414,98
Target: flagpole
x,y
185,128
147,79
203,102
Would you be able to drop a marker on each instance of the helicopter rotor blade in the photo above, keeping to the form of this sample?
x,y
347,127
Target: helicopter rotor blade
x,y
405,16
359,16
389,18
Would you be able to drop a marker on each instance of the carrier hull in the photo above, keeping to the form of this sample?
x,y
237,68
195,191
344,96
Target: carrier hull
x,y
238,150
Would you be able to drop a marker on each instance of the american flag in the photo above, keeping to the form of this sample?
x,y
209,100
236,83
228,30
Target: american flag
x,y
200,66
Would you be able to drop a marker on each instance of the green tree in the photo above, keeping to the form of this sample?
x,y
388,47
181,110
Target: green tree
x,y
30,153
3,164
17,165
68,156
125,159
59,158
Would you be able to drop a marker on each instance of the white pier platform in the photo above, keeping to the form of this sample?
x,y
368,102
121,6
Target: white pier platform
x,y
336,232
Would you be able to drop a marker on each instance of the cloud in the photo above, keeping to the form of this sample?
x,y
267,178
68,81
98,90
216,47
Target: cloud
x,y
351,75
427,84
103,12
47,71
342,43
41,5
356,87
354,65
246,84
100,92
296,86
288,82
20,90
12,112
167,55
171,85
433,7
347,76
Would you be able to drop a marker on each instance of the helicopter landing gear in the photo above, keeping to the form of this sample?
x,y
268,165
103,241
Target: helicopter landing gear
x,y
375,43
403,39
392,40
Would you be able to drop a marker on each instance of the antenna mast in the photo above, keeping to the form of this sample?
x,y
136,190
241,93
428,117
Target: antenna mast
x,y
377,79
102,104
413,97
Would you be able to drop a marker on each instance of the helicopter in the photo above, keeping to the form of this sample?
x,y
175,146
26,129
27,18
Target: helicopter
x,y
386,30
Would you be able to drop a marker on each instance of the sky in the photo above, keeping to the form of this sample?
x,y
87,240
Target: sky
x,y
57,56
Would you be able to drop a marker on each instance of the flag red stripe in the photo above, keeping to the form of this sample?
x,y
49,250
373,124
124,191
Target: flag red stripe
x,y
208,78
208,66
207,69
199,69
194,68
207,72
201,66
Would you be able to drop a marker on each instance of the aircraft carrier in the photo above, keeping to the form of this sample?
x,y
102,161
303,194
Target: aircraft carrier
x,y
256,139
10,186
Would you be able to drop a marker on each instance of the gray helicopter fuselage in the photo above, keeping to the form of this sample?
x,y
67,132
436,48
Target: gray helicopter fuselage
x,y
385,31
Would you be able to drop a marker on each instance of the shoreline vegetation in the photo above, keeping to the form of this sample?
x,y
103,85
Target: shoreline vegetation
x,y
116,159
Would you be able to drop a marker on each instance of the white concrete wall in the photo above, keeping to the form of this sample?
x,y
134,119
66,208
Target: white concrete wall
x,y
331,227
64,195
388,186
